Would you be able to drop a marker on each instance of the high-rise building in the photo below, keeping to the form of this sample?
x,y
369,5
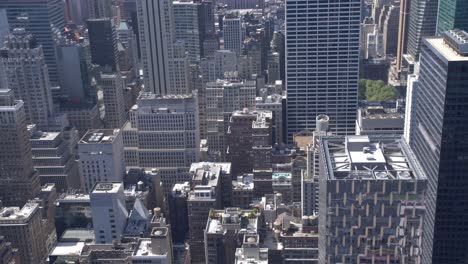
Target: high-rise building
x,y
422,23
206,194
23,62
128,51
390,198
178,211
156,32
322,64
45,20
249,138
186,27
99,8
206,25
403,25
233,32
75,73
101,157
4,26
24,228
452,15
112,86
18,180
438,139
410,108
76,11
222,98
163,133
390,31
108,211
273,103
103,42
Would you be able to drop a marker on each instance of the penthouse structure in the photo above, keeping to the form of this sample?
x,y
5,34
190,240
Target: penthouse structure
x,y
372,197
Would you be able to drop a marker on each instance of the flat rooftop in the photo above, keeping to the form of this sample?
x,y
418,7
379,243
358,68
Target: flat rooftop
x,y
439,44
245,221
15,214
369,158
106,187
144,249
45,136
100,136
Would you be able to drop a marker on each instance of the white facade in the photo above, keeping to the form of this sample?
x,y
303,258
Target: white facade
x,y
101,157
27,76
322,63
411,91
108,211
163,133
214,68
165,62
156,28
232,32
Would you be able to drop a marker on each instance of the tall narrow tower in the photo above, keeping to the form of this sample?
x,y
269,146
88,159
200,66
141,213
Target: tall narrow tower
x,y
322,63
438,139
18,180
156,27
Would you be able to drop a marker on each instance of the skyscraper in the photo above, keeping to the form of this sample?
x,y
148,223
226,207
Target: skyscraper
x,y
112,86
452,15
186,27
26,74
422,23
438,139
232,32
156,32
99,8
322,64
45,21
18,180
103,42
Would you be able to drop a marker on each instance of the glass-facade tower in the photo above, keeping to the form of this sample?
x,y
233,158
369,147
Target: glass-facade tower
x,y
439,141
452,14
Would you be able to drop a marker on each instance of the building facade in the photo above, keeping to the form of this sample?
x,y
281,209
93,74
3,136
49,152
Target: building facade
x,y
101,157
19,182
388,199
322,64
24,67
437,138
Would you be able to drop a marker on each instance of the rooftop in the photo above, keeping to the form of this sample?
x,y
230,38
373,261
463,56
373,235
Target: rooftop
x,y
244,221
244,182
13,215
381,112
446,49
45,136
368,158
100,136
106,187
